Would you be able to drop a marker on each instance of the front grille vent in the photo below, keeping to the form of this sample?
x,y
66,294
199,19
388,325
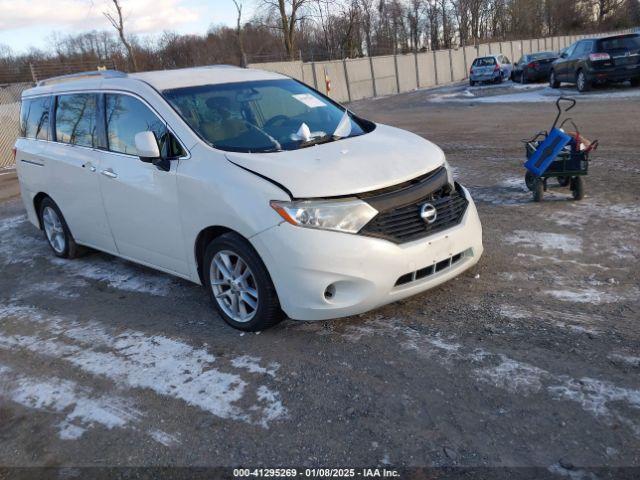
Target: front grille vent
x,y
430,270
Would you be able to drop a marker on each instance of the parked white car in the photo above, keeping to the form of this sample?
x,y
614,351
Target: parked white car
x,y
273,196
494,68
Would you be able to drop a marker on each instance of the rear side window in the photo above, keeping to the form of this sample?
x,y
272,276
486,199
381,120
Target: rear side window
x,y
621,43
76,119
127,116
34,118
484,62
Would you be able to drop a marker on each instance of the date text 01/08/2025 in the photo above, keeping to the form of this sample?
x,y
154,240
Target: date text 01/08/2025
x,y
315,472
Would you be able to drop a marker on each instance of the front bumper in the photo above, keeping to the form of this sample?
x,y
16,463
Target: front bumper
x,y
362,270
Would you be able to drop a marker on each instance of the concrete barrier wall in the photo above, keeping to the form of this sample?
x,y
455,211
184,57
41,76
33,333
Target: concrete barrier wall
x,y
407,65
443,67
360,82
426,70
352,79
385,73
307,75
458,64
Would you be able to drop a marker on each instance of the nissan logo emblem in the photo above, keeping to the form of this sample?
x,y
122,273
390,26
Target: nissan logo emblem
x,y
428,213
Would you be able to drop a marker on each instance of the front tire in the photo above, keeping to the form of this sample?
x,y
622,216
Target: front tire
x,y
523,77
56,230
239,284
538,190
553,80
530,180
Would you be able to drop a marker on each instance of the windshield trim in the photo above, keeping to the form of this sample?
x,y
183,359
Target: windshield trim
x,y
366,125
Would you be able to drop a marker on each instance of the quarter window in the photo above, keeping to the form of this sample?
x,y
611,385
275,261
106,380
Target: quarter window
x,y
35,118
76,120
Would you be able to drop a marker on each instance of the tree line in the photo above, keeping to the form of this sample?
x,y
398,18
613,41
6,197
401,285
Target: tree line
x,y
320,30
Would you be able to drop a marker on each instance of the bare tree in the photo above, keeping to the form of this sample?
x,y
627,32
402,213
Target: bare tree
x,y
367,16
243,55
117,21
289,13
606,8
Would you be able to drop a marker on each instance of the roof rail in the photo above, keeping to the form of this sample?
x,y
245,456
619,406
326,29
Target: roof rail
x,y
82,76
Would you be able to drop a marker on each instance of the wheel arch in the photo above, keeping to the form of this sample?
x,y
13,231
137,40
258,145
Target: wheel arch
x,y
37,201
204,238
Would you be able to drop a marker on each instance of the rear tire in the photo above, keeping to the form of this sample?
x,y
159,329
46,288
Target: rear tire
x,y
553,81
582,84
538,190
577,187
243,294
523,77
56,230
635,82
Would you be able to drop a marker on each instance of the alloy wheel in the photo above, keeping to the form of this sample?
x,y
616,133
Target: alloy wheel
x,y
234,286
54,230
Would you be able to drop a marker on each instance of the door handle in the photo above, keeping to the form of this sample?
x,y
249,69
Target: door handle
x,y
109,173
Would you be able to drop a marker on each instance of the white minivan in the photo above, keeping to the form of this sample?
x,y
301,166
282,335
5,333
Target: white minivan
x,y
273,196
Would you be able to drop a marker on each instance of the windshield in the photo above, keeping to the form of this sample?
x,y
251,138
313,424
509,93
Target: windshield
x,y
484,62
263,116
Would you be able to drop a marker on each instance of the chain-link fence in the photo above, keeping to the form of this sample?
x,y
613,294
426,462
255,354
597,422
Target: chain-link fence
x,y
9,120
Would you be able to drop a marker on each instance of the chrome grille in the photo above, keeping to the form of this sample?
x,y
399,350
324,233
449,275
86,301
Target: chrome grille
x,y
404,223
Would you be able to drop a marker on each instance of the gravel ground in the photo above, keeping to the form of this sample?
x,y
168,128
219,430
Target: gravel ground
x,y
529,359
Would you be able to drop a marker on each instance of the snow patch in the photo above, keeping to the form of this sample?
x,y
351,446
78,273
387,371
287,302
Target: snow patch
x,y
164,438
586,295
134,359
26,248
595,395
631,360
82,409
545,240
513,376
252,365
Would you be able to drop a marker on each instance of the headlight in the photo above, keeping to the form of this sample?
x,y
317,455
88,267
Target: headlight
x,y
348,215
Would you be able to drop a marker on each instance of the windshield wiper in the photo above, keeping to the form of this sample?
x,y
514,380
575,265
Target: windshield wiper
x,y
317,141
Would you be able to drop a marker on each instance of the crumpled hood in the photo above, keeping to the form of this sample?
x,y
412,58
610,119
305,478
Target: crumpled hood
x,y
384,157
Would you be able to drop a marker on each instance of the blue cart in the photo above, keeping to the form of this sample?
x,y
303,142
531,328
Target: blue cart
x,y
559,154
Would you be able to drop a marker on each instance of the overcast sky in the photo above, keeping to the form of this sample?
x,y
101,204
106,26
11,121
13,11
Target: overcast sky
x,y
25,23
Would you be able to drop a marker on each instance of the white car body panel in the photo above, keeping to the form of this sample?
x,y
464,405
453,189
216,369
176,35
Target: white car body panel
x,y
386,156
155,217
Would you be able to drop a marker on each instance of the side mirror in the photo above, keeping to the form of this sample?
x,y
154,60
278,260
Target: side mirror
x,y
147,147
563,55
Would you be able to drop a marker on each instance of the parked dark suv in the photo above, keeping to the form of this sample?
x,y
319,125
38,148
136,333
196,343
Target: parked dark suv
x,y
598,60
